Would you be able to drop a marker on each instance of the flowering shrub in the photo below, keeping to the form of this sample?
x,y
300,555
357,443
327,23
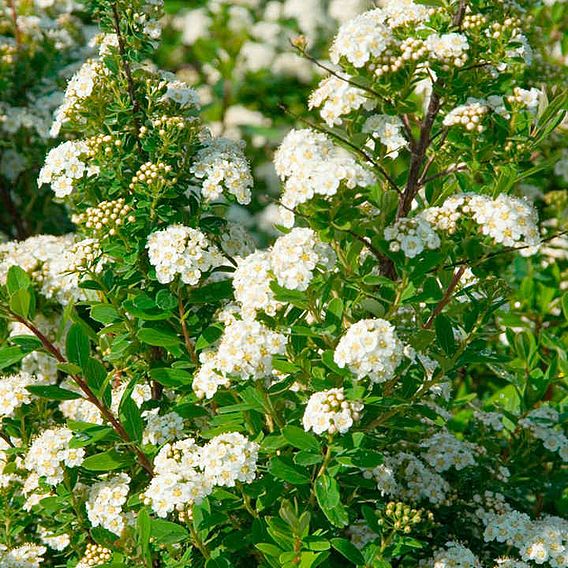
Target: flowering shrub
x,y
384,385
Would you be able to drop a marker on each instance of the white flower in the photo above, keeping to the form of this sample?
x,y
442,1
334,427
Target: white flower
x,y
370,348
329,411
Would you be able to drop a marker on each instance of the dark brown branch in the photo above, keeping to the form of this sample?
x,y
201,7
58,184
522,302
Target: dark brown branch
x,y
446,298
89,394
17,31
386,265
127,72
6,439
439,175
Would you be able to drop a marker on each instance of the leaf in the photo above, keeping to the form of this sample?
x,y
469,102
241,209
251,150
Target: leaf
x,y
286,471
53,392
17,279
212,293
334,315
166,532
209,336
348,549
171,377
158,337
77,345
96,377
131,418
107,461
22,302
300,439
445,334
329,500
104,313
10,356
143,529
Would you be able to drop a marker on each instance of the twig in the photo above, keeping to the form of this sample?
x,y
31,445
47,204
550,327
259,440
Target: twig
x,y
386,265
186,338
6,438
89,394
17,31
127,72
447,172
446,298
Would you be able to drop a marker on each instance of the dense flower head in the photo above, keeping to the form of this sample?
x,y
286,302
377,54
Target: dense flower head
x,y
329,411
50,453
186,473
184,251
543,423
14,392
507,220
310,164
25,556
388,131
444,450
105,502
222,165
412,236
162,428
454,555
370,348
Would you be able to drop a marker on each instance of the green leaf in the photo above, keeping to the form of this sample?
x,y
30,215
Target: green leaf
x,y
104,313
283,469
348,549
107,461
445,334
53,392
96,377
334,315
22,302
171,377
209,336
131,418
143,530
17,279
77,345
166,532
329,500
300,439
158,337
10,356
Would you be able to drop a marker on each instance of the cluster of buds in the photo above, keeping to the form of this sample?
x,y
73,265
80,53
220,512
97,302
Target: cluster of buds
x,y
151,174
95,555
8,53
165,123
106,217
474,21
103,143
469,116
401,517
185,515
510,27
388,62
84,255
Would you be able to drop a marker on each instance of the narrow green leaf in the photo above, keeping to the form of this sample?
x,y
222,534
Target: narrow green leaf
x,y
349,550
281,468
166,532
53,392
77,345
107,461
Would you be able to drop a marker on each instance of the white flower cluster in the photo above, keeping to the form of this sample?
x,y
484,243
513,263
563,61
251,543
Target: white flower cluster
x,y
184,251
251,283
329,411
508,220
295,256
310,164
370,348
388,130
450,48
13,392
405,12
64,165
469,115
162,428
186,473
221,164
236,241
412,236
49,453
106,218
291,262
407,478
105,501
361,38
181,94
54,541
527,98
360,534
542,423
444,451
455,555
79,88
337,98
538,541
25,556
245,351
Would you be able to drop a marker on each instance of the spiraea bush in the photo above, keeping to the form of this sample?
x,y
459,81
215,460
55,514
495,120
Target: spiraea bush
x,y
384,386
